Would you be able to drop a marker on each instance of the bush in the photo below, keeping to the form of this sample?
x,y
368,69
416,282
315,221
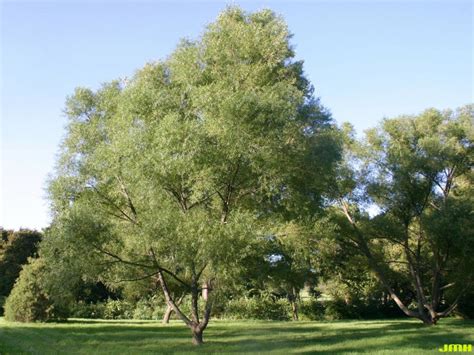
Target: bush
x,y
29,300
149,308
338,309
264,308
88,310
465,307
118,309
15,249
311,310
360,309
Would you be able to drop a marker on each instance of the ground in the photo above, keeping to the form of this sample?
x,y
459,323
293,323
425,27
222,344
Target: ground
x,y
81,336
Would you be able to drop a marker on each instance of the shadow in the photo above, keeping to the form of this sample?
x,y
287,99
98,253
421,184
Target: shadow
x,y
138,337
102,321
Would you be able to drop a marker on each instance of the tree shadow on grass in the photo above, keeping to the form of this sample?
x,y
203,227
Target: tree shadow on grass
x,y
95,336
395,335
102,321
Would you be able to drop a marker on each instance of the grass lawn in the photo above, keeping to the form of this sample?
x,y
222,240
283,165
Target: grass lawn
x,y
81,336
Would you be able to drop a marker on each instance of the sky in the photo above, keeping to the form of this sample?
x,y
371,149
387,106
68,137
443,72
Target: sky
x,y
366,59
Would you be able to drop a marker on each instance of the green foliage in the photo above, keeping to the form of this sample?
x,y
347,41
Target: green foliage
x,y
87,310
263,307
15,249
415,173
466,306
190,164
312,310
149,308
118,309
335,309
29,300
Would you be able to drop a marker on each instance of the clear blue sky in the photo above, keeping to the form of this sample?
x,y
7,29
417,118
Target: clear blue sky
x,y
367,60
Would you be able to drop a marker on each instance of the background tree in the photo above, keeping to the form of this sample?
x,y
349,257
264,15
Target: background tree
x,y
416,172
15,249
31,300
176,173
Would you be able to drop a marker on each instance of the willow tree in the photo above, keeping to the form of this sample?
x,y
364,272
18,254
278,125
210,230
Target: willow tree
x,y
175,173
415,172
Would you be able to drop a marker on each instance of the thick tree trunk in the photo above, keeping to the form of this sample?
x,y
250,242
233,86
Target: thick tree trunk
x,y
197,335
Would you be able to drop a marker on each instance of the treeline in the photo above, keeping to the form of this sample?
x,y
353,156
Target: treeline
x,y
264,297
350,293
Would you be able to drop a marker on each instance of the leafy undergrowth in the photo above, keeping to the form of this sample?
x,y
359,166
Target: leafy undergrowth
x,y
82,336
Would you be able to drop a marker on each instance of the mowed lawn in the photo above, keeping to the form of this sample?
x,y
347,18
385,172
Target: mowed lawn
x,y
81,336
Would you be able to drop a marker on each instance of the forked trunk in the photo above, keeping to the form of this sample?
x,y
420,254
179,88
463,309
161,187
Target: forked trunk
x,y
197,326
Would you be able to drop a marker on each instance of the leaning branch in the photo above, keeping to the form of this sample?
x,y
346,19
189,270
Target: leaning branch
x,y
362,244
170,301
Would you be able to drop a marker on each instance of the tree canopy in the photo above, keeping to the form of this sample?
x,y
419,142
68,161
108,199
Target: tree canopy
x,y
416,173
178,172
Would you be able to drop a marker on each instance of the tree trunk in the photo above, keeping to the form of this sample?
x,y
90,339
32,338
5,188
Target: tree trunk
x,y
167,315
197,327
169,309
294,308
428,320
294,305
197,335
427,312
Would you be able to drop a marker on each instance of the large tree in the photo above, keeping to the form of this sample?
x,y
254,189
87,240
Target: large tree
x,y
178,172
407,207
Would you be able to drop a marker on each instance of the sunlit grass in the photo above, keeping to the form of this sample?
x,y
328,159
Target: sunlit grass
x,y
81,336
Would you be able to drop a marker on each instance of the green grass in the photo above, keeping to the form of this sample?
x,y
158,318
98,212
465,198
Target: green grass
x,y
80,336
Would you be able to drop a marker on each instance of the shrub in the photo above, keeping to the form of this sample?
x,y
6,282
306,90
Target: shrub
x,y
338,309
311,310
118,309
263,307
15,249
29,300
465,307
149,308
88,310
